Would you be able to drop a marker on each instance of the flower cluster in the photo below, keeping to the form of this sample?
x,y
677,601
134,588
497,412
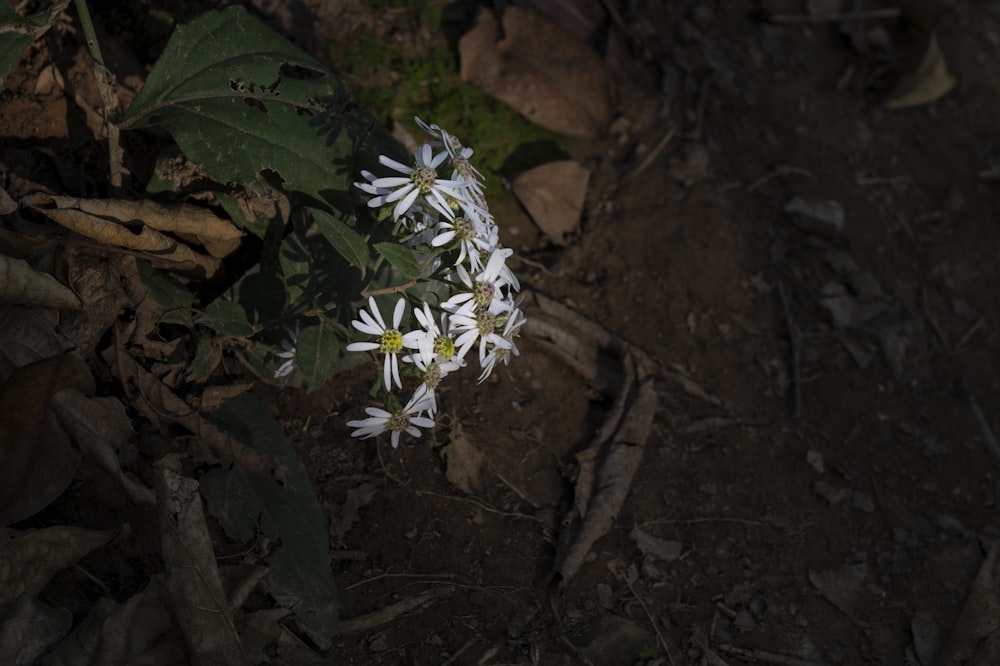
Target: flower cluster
x,y
438,203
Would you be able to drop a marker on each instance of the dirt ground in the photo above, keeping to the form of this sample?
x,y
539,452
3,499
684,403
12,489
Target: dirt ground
x,y
821,478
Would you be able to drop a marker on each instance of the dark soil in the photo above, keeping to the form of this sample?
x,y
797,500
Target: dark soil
x,y
822,449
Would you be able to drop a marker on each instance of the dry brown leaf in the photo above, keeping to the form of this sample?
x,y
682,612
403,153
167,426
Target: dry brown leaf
x,y
193,584
37,457
465,461
26,335
656,548
553,194
840,587
138,631
30,628
350,510
22,285
162,407
540,70
29,560
929,82
99,427
124,232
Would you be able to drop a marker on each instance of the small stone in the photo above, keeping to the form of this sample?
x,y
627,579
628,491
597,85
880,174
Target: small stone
x,y
831,493
815,460
744,621
863,501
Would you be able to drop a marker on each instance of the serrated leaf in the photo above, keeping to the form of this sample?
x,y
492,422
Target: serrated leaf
x,y
349,243
316,354
400,257
207,356
239,99
242,499
226,317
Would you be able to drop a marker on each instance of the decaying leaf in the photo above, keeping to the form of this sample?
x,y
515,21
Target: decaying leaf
x,y
37,456
102,224
465,461
29,628
553,194
929,82
26,335
840,587
349,511
29,560
540,70
22,285
192,580
139,630
607,466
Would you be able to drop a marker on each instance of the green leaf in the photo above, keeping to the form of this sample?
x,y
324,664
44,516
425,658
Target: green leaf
x,y
207,357
317,354
239,99
349,243
226,317
400,257
287,511
173,297
17,32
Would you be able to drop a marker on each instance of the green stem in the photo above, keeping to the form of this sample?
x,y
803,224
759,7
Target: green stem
x,y
109,97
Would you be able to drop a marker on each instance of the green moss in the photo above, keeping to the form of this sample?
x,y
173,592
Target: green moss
x,y
413,72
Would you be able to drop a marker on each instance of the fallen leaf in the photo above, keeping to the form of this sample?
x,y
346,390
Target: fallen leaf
x,y
979,618
655,548
123,232
841,587
465,461
22,285
37,456
824,218
26,335
30,628
553,194
29,560
350,509
929,82
540,70
192,581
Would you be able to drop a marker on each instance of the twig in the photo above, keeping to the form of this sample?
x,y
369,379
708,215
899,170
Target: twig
x,y
577,651
969,333
396,289
769,657
109,96
366,623
830,17
649,615
383,576
655,152
453,658
776,172
97,581
517,491
481,505
694,521
984,424
795,336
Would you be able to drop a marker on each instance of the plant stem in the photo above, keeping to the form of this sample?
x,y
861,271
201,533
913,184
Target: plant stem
x,y
109,96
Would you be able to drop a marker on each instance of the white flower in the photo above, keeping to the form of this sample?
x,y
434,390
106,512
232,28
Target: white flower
x,y
390,340
485,292
495,354
417,181
473,326
406,419
288,353
468,234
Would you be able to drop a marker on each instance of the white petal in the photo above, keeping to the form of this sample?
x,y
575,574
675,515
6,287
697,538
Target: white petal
x,y
362,346
397,314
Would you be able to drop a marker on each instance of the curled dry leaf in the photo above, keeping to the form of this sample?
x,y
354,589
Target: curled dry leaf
x,y
540,70
553,194
929,82
22,285
101,223
37,456
607,466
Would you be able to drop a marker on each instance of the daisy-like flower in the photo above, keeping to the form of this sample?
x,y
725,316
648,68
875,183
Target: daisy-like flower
x,y
485,292
471,326
420,181
502,354
390,340
468,234
288,353
405,419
